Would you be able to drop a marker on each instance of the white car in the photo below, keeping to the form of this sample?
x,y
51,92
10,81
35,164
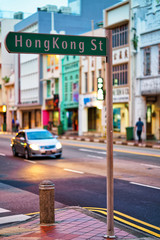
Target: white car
x,y
36,143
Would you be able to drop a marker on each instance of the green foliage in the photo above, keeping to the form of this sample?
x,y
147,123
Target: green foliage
x,y
6,79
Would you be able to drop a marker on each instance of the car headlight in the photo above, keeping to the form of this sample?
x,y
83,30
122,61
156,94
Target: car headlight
x,y
34,146
58,145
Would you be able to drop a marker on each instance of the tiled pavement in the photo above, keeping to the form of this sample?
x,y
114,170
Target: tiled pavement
x,y
71,223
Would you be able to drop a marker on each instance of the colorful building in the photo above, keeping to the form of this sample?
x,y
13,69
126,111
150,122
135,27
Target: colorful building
x,y
70,92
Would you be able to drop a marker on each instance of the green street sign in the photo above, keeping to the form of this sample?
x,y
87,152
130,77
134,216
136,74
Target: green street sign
x,y
19,42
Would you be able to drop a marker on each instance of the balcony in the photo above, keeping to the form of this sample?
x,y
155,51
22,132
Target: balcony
x,y
150,85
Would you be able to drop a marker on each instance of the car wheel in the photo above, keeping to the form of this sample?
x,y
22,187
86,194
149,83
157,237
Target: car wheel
x,y
14,151
58,156
26,154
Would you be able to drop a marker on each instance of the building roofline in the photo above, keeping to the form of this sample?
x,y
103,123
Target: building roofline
x,y
125,21
116,5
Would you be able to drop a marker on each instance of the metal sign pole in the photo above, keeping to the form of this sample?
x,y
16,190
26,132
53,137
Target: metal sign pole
x,y
109,132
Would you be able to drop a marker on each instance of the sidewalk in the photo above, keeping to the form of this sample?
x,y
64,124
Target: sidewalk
x,y
70,223
149,144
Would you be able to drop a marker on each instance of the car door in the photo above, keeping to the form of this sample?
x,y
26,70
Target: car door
x,y
17,142
22,142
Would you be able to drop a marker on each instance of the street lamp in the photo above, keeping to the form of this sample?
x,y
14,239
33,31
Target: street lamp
x,y
4,108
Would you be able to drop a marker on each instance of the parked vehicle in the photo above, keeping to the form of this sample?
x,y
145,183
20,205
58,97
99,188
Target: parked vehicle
x,y
36,143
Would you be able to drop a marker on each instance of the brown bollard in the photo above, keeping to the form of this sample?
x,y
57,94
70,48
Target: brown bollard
x,y
46,201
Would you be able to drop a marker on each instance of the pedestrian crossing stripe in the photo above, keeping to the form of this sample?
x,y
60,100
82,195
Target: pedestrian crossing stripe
x,y
130,221
3,210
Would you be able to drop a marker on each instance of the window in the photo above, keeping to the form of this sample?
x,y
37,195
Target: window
x,y
99,72
48,88
120,74
10,93
86,82
71,91
159,61
117,119
147,61
92,81
65,91
120,36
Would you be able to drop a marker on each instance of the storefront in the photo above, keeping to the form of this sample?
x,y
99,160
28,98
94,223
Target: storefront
x,y
29,116
90,114
3,110
51,116
153,117
120,109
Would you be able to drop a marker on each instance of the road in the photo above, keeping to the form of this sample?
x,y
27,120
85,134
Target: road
x,y
80,179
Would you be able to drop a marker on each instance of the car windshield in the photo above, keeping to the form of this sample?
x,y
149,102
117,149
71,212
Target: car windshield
x,y
39,135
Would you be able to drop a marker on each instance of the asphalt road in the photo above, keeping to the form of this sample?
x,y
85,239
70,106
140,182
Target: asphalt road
x,y
80,179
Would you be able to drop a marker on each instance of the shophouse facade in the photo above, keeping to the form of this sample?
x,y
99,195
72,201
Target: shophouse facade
x,y
6,76
146,23
29,68
51,91
10,104
90,107
70,93
117,18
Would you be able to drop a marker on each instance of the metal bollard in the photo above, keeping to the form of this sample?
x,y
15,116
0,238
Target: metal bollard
x,y
46,201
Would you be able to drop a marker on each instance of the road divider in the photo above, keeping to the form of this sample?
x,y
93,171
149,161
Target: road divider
x,y
150,166
93,156
92,151
74,171
29,161
144,185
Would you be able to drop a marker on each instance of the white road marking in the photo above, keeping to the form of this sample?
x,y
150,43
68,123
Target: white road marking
x,y
2,154
92,151
93,156
29,161
13,218
143,185
71,170
148,165
2,210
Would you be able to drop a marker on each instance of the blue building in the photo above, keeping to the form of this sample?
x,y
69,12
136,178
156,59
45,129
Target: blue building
x,y
29,68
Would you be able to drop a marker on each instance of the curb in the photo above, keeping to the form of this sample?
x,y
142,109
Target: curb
x,y
116,142
99,140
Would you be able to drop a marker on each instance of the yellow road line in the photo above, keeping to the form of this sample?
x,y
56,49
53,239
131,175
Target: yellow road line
x,y
115,150
138,227
28,214
131,218
103,211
